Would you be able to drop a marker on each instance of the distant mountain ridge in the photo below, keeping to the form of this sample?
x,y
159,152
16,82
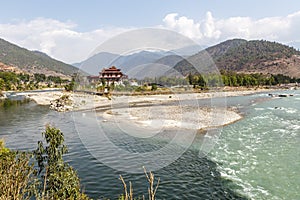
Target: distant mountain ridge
x,y
97,62
33,61
126,63
241,56
256,56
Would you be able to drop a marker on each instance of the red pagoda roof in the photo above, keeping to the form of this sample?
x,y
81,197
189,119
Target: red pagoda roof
x,y
111,73
111,69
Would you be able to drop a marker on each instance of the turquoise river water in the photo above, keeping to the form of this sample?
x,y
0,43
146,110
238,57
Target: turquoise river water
x,y
257,157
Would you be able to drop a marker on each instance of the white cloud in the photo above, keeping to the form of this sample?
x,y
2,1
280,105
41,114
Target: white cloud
x,y
61,40
210,30
183,25
57,39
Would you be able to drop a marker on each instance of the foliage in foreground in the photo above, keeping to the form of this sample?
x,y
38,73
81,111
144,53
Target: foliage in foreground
x,y
18,176
59,179
151,189
52,179
47,176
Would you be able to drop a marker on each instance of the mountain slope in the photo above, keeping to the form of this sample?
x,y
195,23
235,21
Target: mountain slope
x,y
256,55
247,57
170,60
32,61
133,61
96,63
222,48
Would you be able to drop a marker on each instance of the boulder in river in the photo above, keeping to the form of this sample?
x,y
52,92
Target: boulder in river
x,y
62,104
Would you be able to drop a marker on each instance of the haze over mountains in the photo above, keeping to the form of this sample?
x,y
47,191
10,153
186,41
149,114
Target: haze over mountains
x,y
242,56
101,60
257,56
104,59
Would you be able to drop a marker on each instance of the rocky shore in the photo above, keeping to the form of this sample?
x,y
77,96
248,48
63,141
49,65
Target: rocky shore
x,y
147,111
62,104
2,95
169,116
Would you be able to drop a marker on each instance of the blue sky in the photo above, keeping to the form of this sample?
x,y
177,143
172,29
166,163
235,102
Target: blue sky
x,y
53,26
93,14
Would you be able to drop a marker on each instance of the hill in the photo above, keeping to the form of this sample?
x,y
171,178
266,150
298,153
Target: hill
x,y
33,61
169,60
126,63
222,48
130,62
257,56
95,63
135,61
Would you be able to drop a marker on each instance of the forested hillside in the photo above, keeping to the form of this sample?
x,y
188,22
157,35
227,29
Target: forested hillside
x,y
32,61
241,56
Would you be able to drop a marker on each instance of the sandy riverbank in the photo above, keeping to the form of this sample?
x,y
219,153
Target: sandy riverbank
x,y
87,101
151,111
171,116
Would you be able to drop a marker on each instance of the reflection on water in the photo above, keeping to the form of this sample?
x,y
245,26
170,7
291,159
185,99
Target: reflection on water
x,y
10,103
190,177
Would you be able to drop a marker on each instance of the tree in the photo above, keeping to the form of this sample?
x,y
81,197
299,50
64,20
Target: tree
x,y
60,180
153,87
18,180
2,84
190,79
233,80
103,82
40,77
70,86
201,81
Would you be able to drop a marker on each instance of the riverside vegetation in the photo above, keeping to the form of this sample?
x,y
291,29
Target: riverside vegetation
x,y
205,81
43,173
233,79
22,81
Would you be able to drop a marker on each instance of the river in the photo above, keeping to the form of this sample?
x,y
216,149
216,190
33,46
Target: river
x,y
257,157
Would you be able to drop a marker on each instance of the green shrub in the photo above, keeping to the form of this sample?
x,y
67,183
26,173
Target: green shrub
x,y
60,179
18,176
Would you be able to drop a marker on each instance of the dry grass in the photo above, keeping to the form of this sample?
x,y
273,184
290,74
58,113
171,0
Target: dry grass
x,y
151,189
